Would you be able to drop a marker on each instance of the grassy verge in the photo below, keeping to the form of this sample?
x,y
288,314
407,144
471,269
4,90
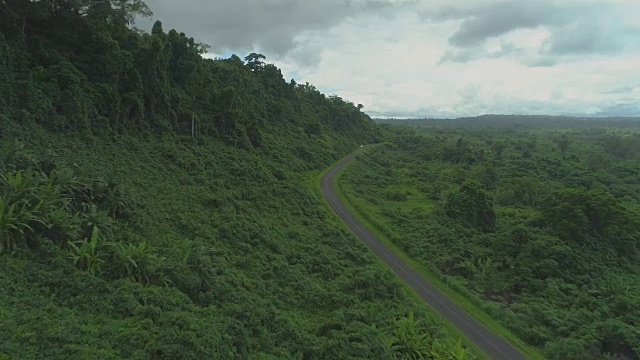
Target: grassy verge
x,y
313,183
453,290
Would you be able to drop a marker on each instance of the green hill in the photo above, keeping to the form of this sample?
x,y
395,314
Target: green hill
x,y
155,204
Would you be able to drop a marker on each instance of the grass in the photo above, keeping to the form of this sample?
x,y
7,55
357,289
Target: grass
x,y
314,185
376,224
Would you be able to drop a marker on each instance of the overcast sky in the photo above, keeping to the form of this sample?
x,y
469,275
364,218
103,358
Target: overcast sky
x,y
435,58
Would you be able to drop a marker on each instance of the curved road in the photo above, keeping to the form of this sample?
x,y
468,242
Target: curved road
x,y
494,346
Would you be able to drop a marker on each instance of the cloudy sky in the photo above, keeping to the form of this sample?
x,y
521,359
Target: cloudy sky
x,y
435,58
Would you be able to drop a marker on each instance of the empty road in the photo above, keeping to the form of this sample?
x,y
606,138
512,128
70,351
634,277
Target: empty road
x,y
494,346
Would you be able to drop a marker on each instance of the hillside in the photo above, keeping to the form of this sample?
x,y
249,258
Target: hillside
x,y
155,204
536,225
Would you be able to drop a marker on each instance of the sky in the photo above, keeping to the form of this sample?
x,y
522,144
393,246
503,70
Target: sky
x,y
435,58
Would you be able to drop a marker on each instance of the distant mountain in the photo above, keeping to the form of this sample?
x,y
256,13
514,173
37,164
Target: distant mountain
x,y
520,120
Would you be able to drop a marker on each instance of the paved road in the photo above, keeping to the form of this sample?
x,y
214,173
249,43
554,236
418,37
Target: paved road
x,y
494,346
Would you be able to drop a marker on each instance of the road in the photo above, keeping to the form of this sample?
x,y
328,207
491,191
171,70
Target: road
x,y
493,345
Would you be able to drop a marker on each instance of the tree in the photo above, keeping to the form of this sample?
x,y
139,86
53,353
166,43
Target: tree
x,y
126,11
472,205
563,144
498,147
254,61
157,28
119,12
592,217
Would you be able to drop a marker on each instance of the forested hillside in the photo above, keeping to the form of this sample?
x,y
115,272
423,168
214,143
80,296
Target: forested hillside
x,y
539,226
68,66
158,205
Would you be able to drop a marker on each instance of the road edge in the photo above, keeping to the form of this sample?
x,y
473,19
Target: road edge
x,y
314,183
468,306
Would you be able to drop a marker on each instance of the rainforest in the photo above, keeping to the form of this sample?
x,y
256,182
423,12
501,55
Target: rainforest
x,y
534,220
156,203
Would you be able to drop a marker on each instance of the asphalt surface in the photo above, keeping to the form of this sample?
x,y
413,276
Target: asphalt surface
x,y
493,345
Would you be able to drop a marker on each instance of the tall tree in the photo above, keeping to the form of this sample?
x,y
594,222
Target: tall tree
x,y
473,205
563,144
255,61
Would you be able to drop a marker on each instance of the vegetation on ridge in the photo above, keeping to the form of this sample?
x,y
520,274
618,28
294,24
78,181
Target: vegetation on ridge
x,y
154,204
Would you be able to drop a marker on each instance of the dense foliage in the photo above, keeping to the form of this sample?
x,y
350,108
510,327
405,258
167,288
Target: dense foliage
x,y
70,66
539,225
155,204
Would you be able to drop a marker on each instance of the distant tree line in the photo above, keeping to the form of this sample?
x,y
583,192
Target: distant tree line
x,y
520,120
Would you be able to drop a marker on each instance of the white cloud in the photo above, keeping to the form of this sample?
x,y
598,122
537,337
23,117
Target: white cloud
x,y
461,58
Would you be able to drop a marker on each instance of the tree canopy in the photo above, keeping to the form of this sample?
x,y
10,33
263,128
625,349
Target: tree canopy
x,y
157,204
538,224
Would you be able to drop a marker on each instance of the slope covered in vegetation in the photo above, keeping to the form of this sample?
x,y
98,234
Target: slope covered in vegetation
x,y
540,226
155,204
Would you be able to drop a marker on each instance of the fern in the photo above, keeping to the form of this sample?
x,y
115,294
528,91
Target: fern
x,y
140,264
85,254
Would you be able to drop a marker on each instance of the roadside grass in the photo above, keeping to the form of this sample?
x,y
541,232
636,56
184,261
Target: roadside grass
x,y
314,185
376,223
